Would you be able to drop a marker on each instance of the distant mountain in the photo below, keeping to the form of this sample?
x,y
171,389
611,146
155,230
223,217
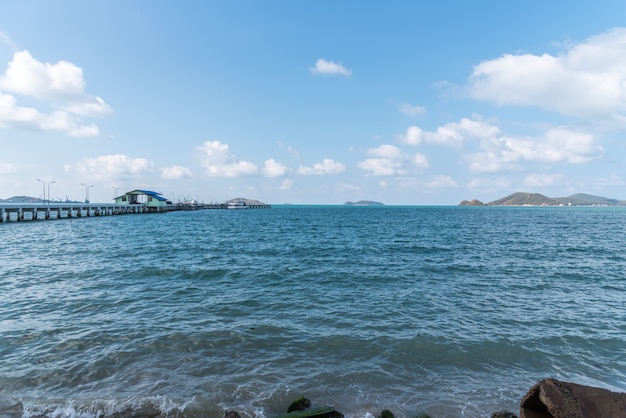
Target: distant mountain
x,y
22,199
474,202
247,201
364,203
518,199
30,199
586,199
537,199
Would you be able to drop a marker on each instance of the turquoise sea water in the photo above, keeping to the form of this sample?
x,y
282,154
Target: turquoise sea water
x,y
449,311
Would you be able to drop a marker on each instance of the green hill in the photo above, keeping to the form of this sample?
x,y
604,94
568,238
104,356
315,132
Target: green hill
x,y
587,199
537,199
525,199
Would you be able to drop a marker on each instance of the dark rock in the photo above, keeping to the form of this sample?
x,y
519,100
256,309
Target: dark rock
x,y
474,202
299,404
231,414
551,398
503,414
386,414
325,412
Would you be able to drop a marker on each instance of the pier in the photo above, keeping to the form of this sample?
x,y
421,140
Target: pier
x,y
56,210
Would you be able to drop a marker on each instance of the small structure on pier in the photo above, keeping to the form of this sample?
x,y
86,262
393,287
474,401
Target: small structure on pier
x,y
147,198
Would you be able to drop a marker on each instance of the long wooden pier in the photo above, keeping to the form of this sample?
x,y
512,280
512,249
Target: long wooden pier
x,y
56,210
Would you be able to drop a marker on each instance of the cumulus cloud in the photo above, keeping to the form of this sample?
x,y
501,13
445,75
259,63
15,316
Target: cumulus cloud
x,y
327,166
498,151
330,68
451,134
175,172
59,85
556,145
389,160
14,116
455,133
218,161
587,79
411,110
110,167
414,136
273,168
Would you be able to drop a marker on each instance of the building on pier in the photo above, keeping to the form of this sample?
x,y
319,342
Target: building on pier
x,y
152,200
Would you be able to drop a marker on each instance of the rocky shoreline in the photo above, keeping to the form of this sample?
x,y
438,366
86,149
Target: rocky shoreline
x,y
548,398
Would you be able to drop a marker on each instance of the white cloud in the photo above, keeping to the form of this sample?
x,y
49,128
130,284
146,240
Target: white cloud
x,y
25,75
501,152
491,183
412,183
5,39
543,180
218,161
557,145
411,110
175,172
390,160
61,85
455,133
346,187
451,134
7,168
14,116
274,169
330,68
414,136
327,166
286,184
110,167
587,79
440,182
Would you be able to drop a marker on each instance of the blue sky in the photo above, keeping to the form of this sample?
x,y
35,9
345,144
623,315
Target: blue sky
x,y
320,102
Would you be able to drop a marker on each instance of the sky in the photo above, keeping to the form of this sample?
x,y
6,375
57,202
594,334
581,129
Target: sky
x,y
312,102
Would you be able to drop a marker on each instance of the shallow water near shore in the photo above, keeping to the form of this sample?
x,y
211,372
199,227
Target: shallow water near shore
x,y
449,311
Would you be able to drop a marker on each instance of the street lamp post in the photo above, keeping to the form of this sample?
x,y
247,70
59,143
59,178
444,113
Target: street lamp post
x,y
44,190
86,192
49,190
115,189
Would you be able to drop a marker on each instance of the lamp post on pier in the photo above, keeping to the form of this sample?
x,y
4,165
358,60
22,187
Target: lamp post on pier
x,y
49,190
86,191
44,190
115,189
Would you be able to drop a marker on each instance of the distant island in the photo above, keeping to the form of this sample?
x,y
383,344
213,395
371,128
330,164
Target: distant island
x,y
536,199
364,203
29,199
247,201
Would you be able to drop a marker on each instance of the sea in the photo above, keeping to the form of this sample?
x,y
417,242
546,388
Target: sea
x,y
444,311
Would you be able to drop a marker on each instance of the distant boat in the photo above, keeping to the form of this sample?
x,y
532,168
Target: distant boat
x,y
239,204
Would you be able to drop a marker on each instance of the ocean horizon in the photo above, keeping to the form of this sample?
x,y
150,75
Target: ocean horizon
x,y
444,310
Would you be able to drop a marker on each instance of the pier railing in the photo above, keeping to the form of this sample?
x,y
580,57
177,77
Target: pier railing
x,y
57,210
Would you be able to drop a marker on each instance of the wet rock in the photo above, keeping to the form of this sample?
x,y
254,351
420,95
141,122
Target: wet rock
x,y
386,414
231,414
551,398
503,414
325,412
299,404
